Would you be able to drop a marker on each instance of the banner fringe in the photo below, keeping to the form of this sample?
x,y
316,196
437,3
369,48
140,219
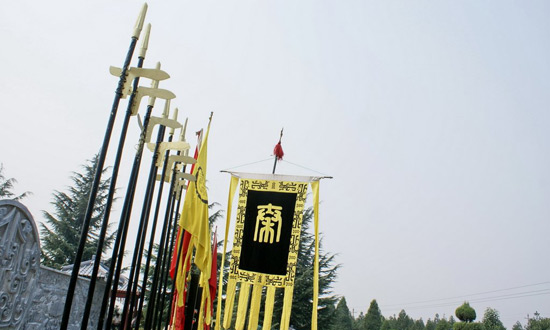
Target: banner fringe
x,y
268,308
255,306
287,307
229,302
242,306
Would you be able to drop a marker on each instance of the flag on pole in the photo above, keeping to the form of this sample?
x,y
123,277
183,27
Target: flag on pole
x,y
194,216
194,220
177,316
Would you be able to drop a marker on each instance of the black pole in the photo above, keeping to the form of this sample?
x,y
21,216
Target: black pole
x,y
112,187
146,205
142,233
166,259
166,233
120,240
159,266
178,254
151,302
99,169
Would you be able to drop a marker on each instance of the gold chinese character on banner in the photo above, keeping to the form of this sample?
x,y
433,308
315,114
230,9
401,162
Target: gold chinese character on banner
x,y
268,216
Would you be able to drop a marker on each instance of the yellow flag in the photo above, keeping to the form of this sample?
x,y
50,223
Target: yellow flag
x,y
194,216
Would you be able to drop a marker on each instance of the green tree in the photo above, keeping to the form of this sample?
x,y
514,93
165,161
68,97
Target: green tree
x,y
465,313
342,316
419,325
517,326
430,324
491,320
373,318
6,187
302,305
61,233
359,322
538,323
444,324
402,322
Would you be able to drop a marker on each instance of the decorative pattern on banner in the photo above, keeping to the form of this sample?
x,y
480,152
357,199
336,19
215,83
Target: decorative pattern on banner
x,y
267,232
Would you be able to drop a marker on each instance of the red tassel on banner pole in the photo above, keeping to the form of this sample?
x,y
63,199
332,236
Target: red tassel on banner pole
x,y
278,151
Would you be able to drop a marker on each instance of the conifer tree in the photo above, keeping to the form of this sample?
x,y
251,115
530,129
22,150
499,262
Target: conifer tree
x,y
302,306
491,320
6,186
373,318
60,235
342,316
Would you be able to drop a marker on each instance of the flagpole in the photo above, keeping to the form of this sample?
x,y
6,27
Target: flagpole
x,y
135,266
165,257
99,170
166,228
112,187
151,304
120,240
172,229
180,242
178,254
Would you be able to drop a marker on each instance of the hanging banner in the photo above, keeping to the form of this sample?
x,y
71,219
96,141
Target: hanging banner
x,y
267,232
265,249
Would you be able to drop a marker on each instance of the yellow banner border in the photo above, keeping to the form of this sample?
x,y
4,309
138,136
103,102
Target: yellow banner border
x,y
240,275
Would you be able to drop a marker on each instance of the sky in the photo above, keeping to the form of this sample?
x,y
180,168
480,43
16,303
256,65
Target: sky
x,y
431,116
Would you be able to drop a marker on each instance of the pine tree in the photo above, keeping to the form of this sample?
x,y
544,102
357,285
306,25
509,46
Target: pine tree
x,y
342,316
61,233
491,320
373,318
302,305
6,186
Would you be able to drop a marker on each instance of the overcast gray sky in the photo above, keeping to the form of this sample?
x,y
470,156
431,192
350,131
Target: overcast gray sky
x,y
432,116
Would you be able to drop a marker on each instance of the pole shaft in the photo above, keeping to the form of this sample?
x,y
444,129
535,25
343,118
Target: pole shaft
x,y
144,222
178,254
93,193
108,204
164,251
120,239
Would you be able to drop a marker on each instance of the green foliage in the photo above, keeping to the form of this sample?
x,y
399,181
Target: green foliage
x,y
443,324
491,320
517,326
400,322
373,318
61,233
430,325
358,323
6,187
302,305
465,313
342,316
467,326
538,323
403,322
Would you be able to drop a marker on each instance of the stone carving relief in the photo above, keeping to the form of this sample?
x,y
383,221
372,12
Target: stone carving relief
x,y
19,262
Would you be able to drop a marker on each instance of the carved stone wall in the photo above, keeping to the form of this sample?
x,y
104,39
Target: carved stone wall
x,y
19,263
47,306
33,296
